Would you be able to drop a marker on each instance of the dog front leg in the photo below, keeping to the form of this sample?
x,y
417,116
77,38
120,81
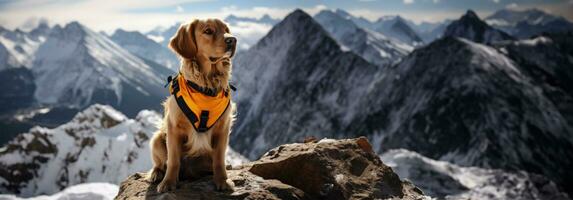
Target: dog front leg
x,y
173,161
219,168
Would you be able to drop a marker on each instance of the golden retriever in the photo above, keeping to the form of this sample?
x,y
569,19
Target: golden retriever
x,y
205,48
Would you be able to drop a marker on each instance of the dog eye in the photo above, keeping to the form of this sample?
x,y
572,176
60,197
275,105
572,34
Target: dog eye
x,y
208,31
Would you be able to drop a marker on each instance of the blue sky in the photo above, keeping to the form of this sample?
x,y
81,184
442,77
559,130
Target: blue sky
x,y
144,15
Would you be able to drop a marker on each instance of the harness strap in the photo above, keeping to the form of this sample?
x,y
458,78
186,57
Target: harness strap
x,y
203,122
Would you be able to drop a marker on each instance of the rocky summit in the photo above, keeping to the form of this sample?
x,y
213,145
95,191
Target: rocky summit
x,y
325,169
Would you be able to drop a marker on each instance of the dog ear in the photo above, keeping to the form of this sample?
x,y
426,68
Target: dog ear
x,y
183,42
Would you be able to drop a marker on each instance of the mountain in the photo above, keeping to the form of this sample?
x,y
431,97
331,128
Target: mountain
x,y
320,83
99,144
527,23
143,47
17,47
90,68
473,105
399,28
394,27
471,27
444,180
372,46
506,106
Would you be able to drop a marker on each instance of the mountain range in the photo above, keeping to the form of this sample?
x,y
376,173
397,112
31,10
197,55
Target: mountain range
x,y
476,99
453,99
528,23
370,45
471,27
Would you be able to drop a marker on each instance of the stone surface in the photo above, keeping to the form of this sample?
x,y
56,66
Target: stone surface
x,y
327,169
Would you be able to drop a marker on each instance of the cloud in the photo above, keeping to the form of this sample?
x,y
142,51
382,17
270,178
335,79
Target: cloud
x,y
496,1
436,1
408,1
512,6
179,9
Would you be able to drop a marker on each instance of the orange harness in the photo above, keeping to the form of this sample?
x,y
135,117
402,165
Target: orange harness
x,y
202,106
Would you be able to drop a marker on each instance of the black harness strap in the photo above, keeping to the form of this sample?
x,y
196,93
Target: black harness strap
x,y
203,122
204,116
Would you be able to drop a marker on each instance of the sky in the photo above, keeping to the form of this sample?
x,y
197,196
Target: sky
x,y
145,15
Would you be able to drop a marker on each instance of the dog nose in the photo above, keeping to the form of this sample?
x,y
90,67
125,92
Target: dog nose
x,y
230,41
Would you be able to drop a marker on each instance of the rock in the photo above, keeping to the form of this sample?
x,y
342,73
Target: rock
x,y
327,169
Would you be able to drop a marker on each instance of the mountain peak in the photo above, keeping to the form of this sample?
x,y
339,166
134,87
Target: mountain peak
x,y
471,27
471,14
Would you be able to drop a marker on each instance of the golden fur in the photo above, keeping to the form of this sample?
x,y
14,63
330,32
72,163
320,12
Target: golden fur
x,y
203,46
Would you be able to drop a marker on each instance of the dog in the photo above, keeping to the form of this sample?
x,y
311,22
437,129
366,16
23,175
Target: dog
x,y
205,48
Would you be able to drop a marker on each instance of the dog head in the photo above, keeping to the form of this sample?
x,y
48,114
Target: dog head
x,y
208,40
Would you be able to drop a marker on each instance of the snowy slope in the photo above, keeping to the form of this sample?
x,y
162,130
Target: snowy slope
x,y
100,144
17,47
84,191
89,68
471,27
444,180
298,61
372,46
527,23
143,47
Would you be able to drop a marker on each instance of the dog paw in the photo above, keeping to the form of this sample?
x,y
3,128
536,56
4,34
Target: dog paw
x,y
224,185
166,185
155,175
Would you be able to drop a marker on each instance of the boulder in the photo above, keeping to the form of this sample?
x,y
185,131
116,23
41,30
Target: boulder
x,y
327,169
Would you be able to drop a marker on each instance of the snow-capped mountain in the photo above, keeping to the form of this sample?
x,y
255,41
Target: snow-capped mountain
x,y
444,180
453,100
372,46
99,144
145,48
527,23
471,27
397,27
309,79
17,47
473,105
394,27
89,68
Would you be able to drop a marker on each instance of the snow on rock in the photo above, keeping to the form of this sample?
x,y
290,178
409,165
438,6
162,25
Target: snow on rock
x,y
99,144
471,27
84,191
372,46
449,181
